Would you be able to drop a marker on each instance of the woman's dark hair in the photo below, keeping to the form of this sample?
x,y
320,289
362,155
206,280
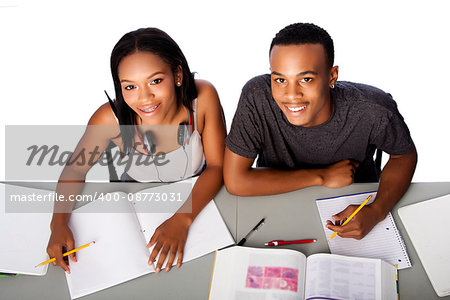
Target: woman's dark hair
x,y
305,33
158,42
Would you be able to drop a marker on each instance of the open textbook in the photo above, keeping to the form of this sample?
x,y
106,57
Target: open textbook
x,y
251,273
24,233
383,241
122,233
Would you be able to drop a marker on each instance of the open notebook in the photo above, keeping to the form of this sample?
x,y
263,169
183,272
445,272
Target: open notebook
x,y
427,228
383,241
121,230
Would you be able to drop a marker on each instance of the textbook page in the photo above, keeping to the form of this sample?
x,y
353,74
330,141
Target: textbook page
x,y
383,241
23,236
426,225
243,273
331,276
119,253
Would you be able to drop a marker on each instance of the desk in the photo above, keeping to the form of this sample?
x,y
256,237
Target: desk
x,y
288,216
294,216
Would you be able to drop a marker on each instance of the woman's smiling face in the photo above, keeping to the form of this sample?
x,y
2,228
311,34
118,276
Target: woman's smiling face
x,y
148,87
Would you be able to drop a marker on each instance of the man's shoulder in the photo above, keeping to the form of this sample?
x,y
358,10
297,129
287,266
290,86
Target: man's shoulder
x,y
360,89
364,95
257,92
259,82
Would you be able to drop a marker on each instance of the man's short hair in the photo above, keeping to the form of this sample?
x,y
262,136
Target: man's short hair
x,y
305,33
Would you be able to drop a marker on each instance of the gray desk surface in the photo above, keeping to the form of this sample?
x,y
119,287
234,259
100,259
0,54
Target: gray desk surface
x,y
294,216
288,216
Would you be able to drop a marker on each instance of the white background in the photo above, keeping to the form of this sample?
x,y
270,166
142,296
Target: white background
x,y
54,56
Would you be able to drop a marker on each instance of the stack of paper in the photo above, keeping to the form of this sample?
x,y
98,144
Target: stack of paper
x,y
425,223
23,235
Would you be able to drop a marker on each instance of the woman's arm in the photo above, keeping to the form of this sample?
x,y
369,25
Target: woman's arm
x,y
71,181
170,237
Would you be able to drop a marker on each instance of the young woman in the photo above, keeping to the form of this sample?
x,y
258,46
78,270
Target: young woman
x,y
153,86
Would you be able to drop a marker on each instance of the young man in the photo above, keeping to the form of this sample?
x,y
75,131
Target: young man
x,y
307,129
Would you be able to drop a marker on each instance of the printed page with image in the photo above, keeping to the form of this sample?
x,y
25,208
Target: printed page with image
x,y
251,273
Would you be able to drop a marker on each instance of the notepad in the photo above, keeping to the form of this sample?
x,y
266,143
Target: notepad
x,y
383,241
426,225
23,235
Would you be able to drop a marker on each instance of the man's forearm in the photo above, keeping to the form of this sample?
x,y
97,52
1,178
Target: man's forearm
x,y
243,180
395,180
268,181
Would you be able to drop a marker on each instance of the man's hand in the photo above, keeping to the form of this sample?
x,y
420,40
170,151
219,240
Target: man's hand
x,y
359,225
339,174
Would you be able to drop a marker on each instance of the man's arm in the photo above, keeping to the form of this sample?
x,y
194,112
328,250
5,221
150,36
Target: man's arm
x,y
395,179
243,180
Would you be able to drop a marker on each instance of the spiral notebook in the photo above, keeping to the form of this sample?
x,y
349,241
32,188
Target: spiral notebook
x,y
383,241
426,225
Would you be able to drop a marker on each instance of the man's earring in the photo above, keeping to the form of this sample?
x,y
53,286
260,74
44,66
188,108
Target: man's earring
x,y
332,86
178,83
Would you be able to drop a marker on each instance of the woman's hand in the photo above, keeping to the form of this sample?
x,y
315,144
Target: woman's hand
x,y
170,238
61,237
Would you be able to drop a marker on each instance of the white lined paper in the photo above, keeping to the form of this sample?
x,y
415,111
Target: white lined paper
x,y
383,241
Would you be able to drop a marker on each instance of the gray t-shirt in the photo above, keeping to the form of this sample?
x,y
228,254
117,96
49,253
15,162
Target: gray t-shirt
x,y
364,119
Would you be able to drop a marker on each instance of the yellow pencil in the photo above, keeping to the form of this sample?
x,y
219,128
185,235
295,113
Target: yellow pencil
x,y
352,215
65,254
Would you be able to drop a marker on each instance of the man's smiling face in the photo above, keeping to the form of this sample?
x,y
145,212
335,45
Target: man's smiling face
x,y
300,81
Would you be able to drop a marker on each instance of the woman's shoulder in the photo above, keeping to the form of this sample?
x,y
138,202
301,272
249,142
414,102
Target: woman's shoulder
x,y
104,115
207,96
208,105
